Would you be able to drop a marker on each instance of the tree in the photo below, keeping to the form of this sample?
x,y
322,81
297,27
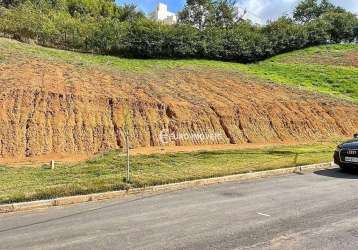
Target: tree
x,y
129,13
183,41
245,42
341,26
198,13
308,10
225,14
212,43
318,32
286,35
23,23
108,37
10,3
327,6
147,39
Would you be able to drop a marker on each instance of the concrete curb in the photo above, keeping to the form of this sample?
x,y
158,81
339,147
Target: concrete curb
x,y
25,206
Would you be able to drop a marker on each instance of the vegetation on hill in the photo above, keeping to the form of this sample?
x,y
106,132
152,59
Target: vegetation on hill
x,y
211,31
330,69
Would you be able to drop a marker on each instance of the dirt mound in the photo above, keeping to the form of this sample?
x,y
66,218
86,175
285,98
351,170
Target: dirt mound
x,y
348,58
352,59
49,107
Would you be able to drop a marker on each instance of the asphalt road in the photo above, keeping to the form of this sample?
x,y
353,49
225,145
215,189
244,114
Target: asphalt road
x,y
311,211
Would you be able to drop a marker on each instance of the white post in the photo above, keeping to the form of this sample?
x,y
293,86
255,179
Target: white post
x,y
52,164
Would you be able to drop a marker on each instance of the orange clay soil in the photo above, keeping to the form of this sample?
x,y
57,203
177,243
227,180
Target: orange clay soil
x,y
352,59
51,109
346,58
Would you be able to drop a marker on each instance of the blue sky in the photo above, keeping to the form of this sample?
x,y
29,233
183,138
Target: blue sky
x,y
259,10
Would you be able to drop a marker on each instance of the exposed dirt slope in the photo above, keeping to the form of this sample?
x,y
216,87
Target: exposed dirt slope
x,y
52,107
320,55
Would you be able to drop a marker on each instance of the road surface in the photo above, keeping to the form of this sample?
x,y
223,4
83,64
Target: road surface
x,y
310,211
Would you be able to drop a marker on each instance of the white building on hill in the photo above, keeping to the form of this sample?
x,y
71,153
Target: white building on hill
x,y
162,14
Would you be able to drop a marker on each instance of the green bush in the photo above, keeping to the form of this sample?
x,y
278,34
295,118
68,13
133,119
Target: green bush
x,y
100,26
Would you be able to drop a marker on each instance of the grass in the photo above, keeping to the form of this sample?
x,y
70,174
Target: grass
x,y
112,62
107,172
324,54
323,69
337,81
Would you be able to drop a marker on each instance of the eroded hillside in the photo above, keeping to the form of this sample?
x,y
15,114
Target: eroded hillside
x,y
49,105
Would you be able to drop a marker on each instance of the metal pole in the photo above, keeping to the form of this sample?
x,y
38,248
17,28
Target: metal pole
x,y
295,160
128,162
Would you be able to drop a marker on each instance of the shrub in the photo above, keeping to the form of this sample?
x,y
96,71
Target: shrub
x,y
100,26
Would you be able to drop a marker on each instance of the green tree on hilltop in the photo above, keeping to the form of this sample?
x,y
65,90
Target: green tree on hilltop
x,y
129,13
225,14
10,3
205,13
198,13
308,10
341,26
